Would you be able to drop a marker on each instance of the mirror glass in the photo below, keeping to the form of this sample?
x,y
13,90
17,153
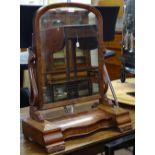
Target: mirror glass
x,y
69,52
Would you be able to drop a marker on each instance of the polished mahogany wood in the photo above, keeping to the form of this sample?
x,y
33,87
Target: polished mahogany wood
x,y
53,132
88,144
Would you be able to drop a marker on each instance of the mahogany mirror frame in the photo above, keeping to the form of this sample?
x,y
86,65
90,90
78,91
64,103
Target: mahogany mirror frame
x,y
36,98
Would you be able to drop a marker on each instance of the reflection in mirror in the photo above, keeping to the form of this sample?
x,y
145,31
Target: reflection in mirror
x,y
69,48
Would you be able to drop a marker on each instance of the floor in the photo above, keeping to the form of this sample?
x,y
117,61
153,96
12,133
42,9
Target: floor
x,y
121,152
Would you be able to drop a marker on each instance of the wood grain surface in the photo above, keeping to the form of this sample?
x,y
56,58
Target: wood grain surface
x,y
91,143
121,90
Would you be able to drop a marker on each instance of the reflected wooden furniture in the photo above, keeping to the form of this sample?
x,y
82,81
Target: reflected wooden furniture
x,y
91,144
58,20
53,131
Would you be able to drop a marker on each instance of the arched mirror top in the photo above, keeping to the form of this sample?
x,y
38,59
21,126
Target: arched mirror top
x,y
68,40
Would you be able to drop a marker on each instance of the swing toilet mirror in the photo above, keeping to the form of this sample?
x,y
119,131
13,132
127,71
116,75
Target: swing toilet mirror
x,y
67,56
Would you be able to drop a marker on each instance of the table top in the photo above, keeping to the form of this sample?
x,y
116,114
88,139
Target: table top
x,y
30,148
122,90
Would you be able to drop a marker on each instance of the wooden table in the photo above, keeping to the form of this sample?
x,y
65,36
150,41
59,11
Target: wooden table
x,y
122,90
91,144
